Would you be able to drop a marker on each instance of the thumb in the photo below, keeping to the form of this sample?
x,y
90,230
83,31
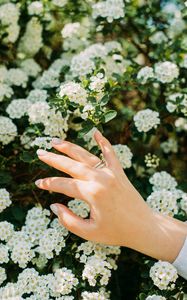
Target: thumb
x,y
74,223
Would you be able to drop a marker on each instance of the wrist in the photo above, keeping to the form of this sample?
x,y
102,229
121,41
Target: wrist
x,y
162,237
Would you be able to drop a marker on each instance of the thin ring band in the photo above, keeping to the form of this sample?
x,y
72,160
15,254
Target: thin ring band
x,y
100,164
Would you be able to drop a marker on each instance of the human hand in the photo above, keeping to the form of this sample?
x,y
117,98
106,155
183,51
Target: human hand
x,y
116,208
118,213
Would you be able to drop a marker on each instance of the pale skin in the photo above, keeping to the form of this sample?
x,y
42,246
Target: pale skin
x,y
118,213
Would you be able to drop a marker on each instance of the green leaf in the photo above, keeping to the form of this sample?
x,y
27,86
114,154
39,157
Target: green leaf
x,y
109,115
85,130
5,177
142,296
26,157
104,100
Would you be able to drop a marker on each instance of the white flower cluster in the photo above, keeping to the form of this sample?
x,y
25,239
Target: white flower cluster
x,y
9,16
164,72
79,207
4,199
109,9
18,108
146,119
169,146
37,95
158,37
35,8
165,194
163,180
144,74
42,142
31,41
30,67
17,77
97,261
55,124
164,201
155,297
164,275
100,295
124,155
3,275
5,91
97,84
75,92
151,160
177,101
40,236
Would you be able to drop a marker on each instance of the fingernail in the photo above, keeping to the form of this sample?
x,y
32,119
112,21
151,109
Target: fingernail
x,y
98,132
37,182
54,209
56,141
41,152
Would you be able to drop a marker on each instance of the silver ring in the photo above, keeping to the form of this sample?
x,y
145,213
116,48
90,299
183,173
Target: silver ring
x,y
100,164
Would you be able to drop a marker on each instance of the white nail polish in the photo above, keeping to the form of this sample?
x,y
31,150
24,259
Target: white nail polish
x,y
37,182
54,209
56,141
41,152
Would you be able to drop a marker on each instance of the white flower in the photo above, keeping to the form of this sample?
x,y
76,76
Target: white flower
x,y
79,207
6,229
155,297
38,112
70,30
63,283
59,3
8,130
28,280
151,160
52,240
3,73
163,275
81,65
162,180
176,100
181,124
4,199
5,91
144,74
146,119
42,142
158,37
74,92
35,8
18,108
170,145
94,268
31,41
30,67
49,79
100,295
164,201
124,155
183,202
166,72
37,95
2,275
109,9
9,15
4,255
17,77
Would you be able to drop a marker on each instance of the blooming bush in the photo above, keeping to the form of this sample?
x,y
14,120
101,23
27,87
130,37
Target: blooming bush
x,y
67,67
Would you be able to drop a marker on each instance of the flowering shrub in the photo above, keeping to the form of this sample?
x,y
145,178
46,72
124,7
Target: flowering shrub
x,y
65,68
